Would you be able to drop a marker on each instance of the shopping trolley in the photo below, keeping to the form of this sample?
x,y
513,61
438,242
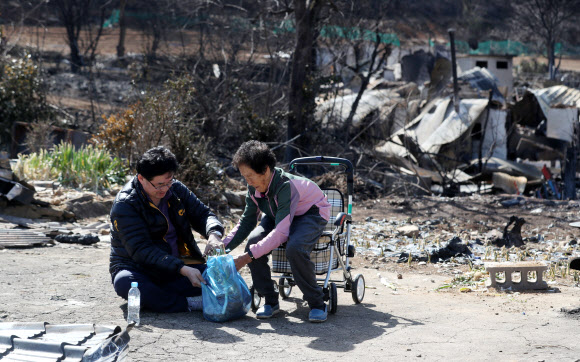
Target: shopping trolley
x,y
334,249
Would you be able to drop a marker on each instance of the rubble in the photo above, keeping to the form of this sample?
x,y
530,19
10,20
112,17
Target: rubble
x,y
509,184
87,239
455,247
575,264
513,237
486,137
10,187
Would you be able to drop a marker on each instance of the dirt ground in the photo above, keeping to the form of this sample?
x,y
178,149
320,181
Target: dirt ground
x,y
406,318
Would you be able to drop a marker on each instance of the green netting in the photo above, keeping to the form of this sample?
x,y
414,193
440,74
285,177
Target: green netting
x,y
510,47
113,19
287,26
351,33
490,47
567,49
180,20
334,31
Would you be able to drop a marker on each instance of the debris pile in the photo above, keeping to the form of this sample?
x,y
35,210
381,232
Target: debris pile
x,y
449,236
87,239
429,137
11,189
512,237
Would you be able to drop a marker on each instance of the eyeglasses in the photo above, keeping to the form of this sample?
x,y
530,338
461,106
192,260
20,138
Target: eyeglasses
x,y
161,187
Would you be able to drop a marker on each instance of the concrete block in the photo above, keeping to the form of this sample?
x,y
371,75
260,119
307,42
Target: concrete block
x,y
517,275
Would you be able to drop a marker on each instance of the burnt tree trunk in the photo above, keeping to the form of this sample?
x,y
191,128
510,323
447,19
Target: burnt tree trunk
x,y
301,92
122,29
72,14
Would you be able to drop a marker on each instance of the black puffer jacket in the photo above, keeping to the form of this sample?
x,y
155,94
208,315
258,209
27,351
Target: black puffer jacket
x,y
138,229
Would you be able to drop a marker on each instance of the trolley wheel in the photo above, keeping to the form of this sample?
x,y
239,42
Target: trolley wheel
x,y
256,299
332,299
284,287
358,288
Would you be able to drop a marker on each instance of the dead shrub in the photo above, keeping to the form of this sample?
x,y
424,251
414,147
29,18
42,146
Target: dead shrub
x,y
22,94
162,117
39,136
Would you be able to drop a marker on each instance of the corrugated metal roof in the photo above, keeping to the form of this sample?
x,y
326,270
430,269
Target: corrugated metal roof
x,y
483,80
40,341
558,96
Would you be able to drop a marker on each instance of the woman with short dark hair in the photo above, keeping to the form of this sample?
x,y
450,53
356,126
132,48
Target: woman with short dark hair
x,y
295,212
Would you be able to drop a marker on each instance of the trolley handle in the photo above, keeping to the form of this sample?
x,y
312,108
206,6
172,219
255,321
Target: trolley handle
x,y
326,160
341,218
333,161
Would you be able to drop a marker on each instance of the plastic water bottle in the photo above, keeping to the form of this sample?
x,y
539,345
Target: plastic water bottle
x,y
134,304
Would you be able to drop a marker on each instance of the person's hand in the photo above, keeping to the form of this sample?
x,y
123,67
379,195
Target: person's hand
x,y
213,242
241,260
193,274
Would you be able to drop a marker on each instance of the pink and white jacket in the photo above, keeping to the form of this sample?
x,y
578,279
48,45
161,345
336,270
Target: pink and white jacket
x,y
287,196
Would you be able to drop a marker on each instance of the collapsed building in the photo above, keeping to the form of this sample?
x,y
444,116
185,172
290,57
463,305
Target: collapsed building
x,y
478,139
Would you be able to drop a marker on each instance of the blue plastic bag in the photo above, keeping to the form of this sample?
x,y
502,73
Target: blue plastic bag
x,y
226,295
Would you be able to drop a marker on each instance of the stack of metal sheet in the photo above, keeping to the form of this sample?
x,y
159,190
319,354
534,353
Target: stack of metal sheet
x,y
22,238
71,342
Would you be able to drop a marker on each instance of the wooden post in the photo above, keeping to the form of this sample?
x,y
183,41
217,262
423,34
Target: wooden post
x,y
569,171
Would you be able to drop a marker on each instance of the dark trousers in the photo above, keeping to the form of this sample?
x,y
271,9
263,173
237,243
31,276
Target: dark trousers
x,y
304,234
167,297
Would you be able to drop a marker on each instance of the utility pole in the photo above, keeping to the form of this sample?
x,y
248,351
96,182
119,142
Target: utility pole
x,y
454,69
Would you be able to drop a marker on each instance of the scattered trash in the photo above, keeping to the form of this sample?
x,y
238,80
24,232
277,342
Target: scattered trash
x,y
455,247
512,237
575,264
466,282
16,191
512,202
87,239
386,283
571,311
508,183
548,176
409,230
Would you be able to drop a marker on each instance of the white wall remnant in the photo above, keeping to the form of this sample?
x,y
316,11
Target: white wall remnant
x,y
560,123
